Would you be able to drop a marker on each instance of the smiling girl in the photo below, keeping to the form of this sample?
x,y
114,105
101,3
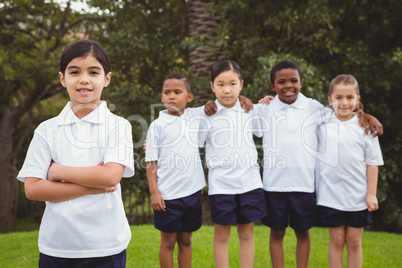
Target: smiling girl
x,y
346,191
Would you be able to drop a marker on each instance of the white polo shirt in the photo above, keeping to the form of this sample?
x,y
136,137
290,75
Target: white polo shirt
x,y
231,155
345,151
173,142
289,143
91,225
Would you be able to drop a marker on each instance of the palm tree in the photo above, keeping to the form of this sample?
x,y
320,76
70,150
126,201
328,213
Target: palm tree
x,y
200,24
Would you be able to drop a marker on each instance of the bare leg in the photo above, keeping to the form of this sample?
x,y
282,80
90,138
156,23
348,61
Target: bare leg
x,y
185,251
221,239
337,240
302,248
168,241
276,248
354,238
247,250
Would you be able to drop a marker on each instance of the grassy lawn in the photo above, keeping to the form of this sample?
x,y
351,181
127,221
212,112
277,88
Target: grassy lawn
x,y
19,249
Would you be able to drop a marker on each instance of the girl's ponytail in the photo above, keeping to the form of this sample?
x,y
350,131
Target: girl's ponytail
x,y
362,117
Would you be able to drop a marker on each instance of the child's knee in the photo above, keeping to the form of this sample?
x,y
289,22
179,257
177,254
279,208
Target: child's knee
x,y
184,241
353,243
168,244
277,234
246,236
302,235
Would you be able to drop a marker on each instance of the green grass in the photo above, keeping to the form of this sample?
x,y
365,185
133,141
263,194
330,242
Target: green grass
x,y
19,249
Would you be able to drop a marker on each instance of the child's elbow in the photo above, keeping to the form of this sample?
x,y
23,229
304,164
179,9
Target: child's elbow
x,y
114,174
30,194
113,181
29,187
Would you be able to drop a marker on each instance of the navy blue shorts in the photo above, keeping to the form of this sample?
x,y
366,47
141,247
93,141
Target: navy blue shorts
x,y
297,209
330,217
181,215
228,209
114,261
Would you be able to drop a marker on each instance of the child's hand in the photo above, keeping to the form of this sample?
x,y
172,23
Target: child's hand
x,y
375,126
101,190
266,100
371,202
157,202
246,103
210,108
145,146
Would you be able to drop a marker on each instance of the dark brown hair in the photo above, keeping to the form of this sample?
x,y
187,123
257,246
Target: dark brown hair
x,y
181,77
223,66
83,48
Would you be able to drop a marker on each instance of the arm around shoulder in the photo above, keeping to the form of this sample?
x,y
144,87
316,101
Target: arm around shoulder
x,y
375,126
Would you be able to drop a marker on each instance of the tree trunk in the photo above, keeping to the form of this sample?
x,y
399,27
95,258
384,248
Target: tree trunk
x,y
200,23
8,181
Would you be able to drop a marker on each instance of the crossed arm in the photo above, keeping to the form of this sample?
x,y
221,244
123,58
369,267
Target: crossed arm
x,y
65,183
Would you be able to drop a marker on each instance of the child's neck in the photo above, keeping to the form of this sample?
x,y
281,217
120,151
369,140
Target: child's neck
x,y
344,118
228,105
82,110
176,112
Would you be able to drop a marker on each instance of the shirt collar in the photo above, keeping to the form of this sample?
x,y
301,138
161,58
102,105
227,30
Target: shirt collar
x,y
97,116
299,103
352,120
165,116
237,107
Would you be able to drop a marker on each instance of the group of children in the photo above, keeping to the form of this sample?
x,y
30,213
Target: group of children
x,y
322,150
328,158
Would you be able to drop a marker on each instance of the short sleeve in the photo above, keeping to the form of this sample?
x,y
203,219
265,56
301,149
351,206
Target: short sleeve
x,y
256,124
38,158
152,144
198,118
373,155
197,111
120,144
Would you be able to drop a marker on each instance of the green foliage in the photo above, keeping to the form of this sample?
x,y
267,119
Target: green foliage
x,y
379,249
147,40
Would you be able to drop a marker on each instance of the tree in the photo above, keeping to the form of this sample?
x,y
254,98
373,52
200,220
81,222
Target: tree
x,y
32,37
200,24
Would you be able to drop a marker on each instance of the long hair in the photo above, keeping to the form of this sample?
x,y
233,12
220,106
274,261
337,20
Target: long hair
x,y
348,79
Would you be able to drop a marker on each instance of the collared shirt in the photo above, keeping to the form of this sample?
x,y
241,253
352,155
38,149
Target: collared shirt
x,y
289,143
231,155
91,225
173,142
343,155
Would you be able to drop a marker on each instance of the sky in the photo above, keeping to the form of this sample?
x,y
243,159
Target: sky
x,y
78,5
